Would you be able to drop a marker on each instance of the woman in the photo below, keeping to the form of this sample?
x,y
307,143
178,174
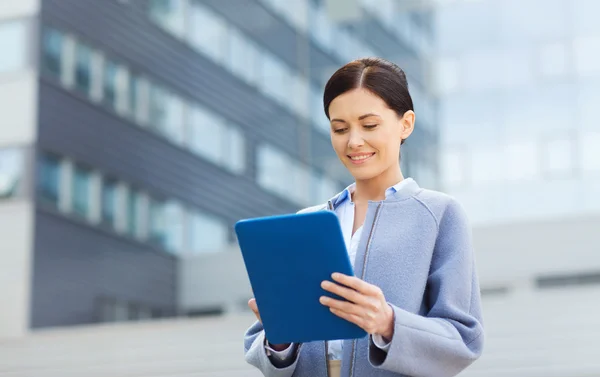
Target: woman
x,y
416,291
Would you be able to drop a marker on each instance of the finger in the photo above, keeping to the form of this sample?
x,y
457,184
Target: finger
x,y
343,306
356,284
357,320
342,291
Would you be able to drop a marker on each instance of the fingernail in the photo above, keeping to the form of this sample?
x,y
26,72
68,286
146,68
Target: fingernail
x,y
336,275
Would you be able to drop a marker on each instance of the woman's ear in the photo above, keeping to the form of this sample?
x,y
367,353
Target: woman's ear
x,y
407,123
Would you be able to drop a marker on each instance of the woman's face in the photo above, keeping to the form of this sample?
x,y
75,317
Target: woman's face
x,y
366,134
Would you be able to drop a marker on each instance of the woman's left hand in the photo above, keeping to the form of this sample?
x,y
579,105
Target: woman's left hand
x,y
366,305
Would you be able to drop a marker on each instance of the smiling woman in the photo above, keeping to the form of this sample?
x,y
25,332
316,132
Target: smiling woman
x,y
416,291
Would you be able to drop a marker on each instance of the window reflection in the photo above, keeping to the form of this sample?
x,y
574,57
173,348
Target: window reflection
x,y
81,191
83,67
49,171
157,223
110,84
133,212
11,172
208,32
52,48
170,14
207,234
109,201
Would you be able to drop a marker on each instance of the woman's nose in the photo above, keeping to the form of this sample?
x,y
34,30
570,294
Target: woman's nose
x,y
356,140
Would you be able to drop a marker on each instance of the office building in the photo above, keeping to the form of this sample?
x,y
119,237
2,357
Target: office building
x,y
519,83
136,132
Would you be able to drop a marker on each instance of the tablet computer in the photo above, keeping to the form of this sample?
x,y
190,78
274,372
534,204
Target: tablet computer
x,y
287,257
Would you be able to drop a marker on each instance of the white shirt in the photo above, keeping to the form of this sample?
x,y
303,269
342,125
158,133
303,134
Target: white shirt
x,y
345,213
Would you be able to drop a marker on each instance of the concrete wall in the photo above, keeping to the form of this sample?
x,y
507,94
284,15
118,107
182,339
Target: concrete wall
x,y
517,253
508,256
18,105
20,8
16,235
217,280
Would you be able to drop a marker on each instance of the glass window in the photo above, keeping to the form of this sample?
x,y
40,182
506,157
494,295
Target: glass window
x,y
173,127
83,67
49,178
321,29
326,189
590,153
587,55
453,166
235,158
274,78
133,210
300,102
207,234
138,88
111,72
585,17
174,226
319,119
208,32
529,20
157,104
52,58
299,184
553,60
343,44
81,185
486,162
243,56
207,131
109,201
271,169
13,40
558,156
523,160
447,76
166,113
296,13
426,175
491,69
157,224
11,172
450,38
170,14
588,98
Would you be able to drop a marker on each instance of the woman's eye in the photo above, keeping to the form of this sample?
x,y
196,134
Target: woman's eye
x,y
340,130
370,126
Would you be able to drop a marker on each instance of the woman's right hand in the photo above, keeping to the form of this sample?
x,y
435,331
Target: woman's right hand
x,y
254,308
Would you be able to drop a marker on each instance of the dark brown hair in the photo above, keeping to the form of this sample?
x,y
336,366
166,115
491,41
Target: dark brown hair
x,y
381,77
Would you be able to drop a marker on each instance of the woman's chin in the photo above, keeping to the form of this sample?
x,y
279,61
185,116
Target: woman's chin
x,y
363,174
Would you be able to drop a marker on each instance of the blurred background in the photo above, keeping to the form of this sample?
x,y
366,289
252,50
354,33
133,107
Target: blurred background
x,y
135,133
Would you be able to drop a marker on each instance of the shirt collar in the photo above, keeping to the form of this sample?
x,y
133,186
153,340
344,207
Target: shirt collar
x,y
347,193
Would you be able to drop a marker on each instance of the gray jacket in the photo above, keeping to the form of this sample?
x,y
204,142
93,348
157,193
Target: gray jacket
x,y
417,248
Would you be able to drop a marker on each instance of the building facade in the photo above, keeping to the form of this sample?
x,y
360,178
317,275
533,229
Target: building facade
x,y
517,107
519,84
137,132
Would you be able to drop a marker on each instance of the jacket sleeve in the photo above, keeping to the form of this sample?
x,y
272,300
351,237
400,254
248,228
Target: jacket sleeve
x,y
256,354
450,336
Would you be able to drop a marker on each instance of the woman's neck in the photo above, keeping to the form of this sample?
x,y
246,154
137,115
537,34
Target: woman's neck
x,y
374,188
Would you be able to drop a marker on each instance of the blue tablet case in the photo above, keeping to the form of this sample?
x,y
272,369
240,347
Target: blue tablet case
x,y
287,257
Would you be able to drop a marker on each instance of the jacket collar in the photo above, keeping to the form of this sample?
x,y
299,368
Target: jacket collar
x,y
405,189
